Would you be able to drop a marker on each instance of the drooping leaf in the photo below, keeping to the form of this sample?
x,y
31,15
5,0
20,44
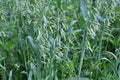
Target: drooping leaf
x,y
106,59
71,25
110,53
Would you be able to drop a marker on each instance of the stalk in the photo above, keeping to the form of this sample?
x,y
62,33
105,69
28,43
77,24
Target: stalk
x,y
85,16
82,50
100,44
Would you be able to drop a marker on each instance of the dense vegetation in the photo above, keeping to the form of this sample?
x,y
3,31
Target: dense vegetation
x,y
59,39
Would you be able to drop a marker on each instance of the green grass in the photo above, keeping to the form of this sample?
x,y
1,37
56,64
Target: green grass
x,y
59,40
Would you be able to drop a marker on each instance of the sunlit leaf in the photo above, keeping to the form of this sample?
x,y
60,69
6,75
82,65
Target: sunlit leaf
x,y
10,75
30,75
3,67
100,17
106,59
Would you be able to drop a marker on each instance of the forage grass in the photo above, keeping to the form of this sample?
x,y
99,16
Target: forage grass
x,y
59,39
83,44
82,51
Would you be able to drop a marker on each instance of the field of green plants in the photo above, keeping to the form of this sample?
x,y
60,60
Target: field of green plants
x,y
59,39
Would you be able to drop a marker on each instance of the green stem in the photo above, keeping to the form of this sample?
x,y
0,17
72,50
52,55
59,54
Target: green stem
x,y
82,51
100,44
